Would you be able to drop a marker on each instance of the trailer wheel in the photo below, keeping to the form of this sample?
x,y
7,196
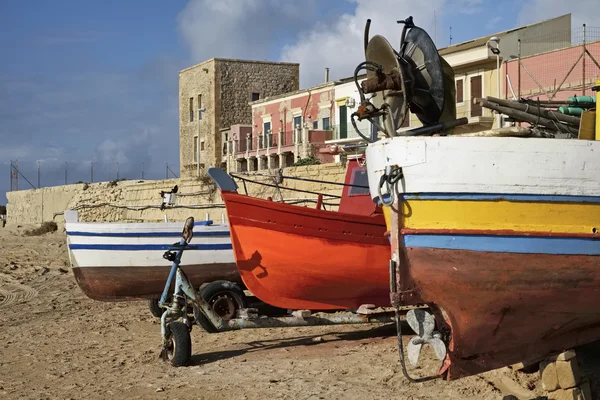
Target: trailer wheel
x,y
155,310
225,298
179,348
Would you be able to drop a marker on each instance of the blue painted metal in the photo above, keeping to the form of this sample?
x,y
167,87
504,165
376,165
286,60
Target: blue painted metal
x,y
223,180
143,234
146,247
174,267
507,244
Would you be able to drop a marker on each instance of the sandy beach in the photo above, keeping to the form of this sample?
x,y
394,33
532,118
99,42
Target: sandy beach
x,y
58,344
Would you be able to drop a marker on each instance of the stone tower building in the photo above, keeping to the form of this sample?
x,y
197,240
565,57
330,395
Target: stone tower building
x,y
223,88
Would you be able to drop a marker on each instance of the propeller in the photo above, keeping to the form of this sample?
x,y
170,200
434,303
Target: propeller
x,y
423,324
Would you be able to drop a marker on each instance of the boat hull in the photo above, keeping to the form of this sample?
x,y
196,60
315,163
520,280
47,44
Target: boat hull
x,y
500,237
115,262
303,258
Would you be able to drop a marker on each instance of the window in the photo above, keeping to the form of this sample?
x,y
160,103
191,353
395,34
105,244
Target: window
x,y
315,124
476,91
191,109
199,107
325,123
343,131
255,96
361,178
202,145
298,122
195,148
460,91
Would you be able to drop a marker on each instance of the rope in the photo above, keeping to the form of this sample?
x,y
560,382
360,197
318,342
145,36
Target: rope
x,y
286,188
390,179
300,179
292,201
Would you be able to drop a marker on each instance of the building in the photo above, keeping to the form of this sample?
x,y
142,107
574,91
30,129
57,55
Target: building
x,y
214,95
285,128
475,65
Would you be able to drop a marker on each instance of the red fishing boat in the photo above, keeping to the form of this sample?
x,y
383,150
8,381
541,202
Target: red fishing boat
x,y
310,258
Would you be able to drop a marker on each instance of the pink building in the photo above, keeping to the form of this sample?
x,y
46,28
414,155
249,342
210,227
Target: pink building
x,y
542,74
284,129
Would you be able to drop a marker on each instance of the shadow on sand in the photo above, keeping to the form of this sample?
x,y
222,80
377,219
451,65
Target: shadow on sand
x,y
384,331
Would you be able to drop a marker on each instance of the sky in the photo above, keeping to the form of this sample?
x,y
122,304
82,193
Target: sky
x,y
85,82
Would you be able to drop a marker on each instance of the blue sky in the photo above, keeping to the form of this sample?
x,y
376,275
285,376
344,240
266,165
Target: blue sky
x,y
84,81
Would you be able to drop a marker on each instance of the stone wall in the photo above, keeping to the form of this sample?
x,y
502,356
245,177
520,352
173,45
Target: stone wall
x,y
193,82
226,87
26,206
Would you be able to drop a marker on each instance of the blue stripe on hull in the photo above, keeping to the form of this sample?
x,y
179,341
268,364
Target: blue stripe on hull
x,y
146,247
507,244
499,197
145,234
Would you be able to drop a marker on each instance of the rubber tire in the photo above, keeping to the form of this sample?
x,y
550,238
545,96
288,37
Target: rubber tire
x,y
209,291
182,340
155,310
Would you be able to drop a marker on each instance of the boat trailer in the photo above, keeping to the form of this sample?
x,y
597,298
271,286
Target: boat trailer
x,y
176,325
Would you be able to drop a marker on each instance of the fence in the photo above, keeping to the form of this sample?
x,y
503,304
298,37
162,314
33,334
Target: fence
x,y
33,175
554,66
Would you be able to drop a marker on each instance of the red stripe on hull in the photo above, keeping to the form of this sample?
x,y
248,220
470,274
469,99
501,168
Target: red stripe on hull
x,y
301,258
506,308
134,283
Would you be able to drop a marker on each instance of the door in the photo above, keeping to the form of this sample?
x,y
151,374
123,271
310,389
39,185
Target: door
x,y
343,122
266,131
476,83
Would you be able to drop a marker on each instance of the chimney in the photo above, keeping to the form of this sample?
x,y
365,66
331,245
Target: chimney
x,y
326,75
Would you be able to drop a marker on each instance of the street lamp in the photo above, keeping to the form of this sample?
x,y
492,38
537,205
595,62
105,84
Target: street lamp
x,y
496,50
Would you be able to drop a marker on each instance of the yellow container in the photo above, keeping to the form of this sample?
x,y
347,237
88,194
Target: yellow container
x,y
587,126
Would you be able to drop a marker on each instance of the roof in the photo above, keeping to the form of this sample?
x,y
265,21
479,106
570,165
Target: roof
x,y
236,60
481,41
317,87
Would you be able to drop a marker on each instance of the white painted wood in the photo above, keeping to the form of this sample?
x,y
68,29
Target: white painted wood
x,y
147,258
489,165
144,258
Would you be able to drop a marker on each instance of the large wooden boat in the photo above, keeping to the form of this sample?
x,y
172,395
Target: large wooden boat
x,y
123,261
309,258
500,237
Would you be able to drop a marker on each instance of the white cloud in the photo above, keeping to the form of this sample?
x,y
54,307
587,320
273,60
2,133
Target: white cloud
x,y
246,29
339,46
582,11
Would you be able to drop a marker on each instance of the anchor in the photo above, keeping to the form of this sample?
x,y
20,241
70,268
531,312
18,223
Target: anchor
x,y
423,324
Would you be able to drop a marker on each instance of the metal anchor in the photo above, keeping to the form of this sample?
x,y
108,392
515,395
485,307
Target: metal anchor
x,y
423,324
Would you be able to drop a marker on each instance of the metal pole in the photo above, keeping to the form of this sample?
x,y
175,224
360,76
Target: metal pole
x,y
498,72
519,72
584,49
66,172
142,171
117,170
39,175
167,171
17,174
11,175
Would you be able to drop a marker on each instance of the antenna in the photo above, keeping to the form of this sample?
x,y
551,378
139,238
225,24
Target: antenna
x,y
450,35
434,29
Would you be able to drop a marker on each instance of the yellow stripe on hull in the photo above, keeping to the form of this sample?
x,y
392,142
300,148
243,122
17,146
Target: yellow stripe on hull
x,y
501,215
387,214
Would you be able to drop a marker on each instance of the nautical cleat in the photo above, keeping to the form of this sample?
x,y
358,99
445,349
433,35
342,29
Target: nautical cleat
x,y
423,324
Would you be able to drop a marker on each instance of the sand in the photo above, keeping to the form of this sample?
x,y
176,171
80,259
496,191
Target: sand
x,y
55,343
